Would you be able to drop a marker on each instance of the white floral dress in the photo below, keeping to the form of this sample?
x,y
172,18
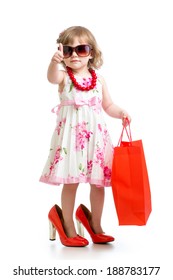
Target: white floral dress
x,y
81,150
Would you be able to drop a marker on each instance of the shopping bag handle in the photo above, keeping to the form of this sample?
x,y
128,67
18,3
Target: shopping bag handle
x,y
127,129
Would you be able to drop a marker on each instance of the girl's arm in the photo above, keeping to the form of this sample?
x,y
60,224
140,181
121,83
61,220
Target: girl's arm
x,y
110,108
54,75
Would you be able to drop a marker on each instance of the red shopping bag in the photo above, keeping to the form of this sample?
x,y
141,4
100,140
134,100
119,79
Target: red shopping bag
x,y
130,182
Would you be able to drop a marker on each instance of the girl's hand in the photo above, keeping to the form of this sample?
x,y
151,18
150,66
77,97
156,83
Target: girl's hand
x,y
58,56
126,119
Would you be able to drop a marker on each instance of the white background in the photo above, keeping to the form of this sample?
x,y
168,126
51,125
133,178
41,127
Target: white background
x,y
136,41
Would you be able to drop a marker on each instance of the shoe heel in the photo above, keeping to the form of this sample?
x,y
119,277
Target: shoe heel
x,y
52,231
80,228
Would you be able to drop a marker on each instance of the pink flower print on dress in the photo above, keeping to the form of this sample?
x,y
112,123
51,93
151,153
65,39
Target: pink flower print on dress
x,y
60,125
105,137
57,155
100,127
97,109
86,82
57,158
87,134
107,172
82,171
99,157
104,133
82,136
89,166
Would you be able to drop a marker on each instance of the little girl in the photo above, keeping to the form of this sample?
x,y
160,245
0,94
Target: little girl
x,y
81,150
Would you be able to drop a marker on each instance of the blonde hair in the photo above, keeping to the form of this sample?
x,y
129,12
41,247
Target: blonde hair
x,y
67,37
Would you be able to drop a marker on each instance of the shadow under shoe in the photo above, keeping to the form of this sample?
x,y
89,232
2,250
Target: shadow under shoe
x,y
56,224
83,218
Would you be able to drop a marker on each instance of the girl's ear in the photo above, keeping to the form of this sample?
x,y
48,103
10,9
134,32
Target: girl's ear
x,y
91,61
91,54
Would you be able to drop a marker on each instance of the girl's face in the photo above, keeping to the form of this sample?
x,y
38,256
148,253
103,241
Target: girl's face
x,y
74,61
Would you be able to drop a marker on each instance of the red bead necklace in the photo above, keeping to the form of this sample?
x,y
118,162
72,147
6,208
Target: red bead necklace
x,y
81,87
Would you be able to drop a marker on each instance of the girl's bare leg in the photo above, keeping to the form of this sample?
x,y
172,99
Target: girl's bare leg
x,y
68,196
97,201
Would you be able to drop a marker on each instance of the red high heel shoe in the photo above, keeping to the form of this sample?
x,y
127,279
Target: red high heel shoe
x,y
56,224
83,217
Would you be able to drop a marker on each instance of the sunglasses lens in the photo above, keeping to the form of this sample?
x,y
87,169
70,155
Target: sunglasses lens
x,y
83,50
67,51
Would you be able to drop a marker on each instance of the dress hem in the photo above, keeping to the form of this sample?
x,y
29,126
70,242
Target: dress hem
x,y
58,181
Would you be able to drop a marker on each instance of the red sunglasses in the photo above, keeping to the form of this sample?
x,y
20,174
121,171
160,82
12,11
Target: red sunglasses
x,y
80,50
